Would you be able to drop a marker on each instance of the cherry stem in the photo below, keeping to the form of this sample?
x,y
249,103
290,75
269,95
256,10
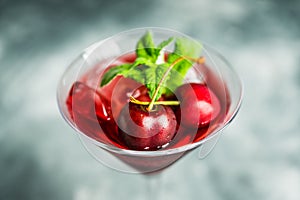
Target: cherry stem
x,y
145,103
200,60
161,81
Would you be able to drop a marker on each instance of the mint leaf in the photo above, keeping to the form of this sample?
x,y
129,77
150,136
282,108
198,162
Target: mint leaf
x,y
165,43
147,55
150,66
186,48
115,71
160,72
136,74
150,80
160,55
153,76
145,47
142,61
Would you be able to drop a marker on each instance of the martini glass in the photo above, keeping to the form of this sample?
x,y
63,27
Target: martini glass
x,y
88,68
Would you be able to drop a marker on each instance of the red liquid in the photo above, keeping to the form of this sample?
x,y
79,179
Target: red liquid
x,y
94,110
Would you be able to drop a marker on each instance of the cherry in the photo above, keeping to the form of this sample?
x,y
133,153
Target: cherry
x,y
198,105
85,101
118,92
141,129
90,110
141,94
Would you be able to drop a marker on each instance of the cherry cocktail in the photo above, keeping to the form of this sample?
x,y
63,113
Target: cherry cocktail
x,y
151,105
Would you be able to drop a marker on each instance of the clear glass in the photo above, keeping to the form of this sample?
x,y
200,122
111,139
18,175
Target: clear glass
x,y
217,73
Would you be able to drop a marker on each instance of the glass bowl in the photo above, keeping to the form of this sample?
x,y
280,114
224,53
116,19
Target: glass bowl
x,y
89,66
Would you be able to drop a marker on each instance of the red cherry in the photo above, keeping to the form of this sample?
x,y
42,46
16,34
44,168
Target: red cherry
x,y
87,102
89,109
144,130
91,112
118,93
198,105
141,94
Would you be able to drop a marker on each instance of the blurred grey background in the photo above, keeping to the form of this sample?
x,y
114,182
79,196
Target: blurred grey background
x,y
257,156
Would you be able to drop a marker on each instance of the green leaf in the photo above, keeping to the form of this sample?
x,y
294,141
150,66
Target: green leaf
x,y
150,80
165,43
115,71
174,80
150,67
142,61
145,47
160,55
136,74
183,48
153,76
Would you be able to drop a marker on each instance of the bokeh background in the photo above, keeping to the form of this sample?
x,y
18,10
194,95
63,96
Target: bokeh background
x,y
257,157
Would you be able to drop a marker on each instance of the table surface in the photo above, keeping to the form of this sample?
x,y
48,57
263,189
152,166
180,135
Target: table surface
x,y
257,157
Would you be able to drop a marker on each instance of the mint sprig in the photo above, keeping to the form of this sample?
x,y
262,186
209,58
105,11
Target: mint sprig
x,y
150,65
190,50
147,49
153,75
